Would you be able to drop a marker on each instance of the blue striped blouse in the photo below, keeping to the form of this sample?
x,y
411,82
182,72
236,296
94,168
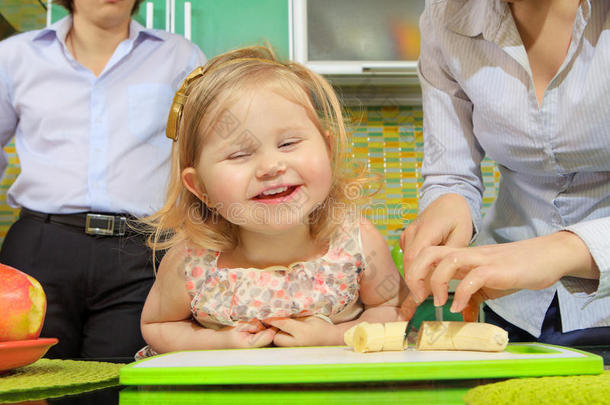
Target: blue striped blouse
x,y
554,159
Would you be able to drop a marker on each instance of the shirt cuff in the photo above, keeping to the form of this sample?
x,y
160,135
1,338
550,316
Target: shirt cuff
x,y
594,234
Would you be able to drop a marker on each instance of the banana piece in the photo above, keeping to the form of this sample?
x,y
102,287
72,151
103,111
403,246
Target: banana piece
x,y
461,336
374,337
368,338
348,336
394,336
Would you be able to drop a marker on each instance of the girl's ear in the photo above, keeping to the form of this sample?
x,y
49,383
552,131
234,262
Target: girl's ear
x,y
193,184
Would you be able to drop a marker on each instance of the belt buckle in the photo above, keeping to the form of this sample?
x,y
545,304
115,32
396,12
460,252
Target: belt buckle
x,y
99,224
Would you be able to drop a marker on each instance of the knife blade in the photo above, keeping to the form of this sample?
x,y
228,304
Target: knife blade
x,y
438,313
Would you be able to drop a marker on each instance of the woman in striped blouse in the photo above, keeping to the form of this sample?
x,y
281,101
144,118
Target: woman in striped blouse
x,y
526,83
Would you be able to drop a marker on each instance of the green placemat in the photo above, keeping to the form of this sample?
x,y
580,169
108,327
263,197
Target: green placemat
x,y
48,378
579,389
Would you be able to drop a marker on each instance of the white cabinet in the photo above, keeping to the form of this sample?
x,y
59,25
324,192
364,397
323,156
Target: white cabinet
x,y
356,36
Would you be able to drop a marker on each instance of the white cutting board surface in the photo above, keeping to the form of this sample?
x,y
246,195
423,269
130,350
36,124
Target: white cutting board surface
x,y
334,355
338,364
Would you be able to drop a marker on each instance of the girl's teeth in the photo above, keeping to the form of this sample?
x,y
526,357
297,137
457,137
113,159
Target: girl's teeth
x,y
275,191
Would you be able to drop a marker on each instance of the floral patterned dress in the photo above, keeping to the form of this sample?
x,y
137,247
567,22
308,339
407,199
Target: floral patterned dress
x,y
327,286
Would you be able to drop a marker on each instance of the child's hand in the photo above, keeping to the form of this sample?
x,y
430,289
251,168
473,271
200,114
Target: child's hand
x,y
248,334
307,331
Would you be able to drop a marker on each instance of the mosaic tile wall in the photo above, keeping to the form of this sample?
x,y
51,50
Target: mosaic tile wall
x,y
388,139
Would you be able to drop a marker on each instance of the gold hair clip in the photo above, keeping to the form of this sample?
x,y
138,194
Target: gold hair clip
x,y
175,112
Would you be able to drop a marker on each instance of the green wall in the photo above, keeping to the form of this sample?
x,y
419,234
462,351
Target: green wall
x,y
218,26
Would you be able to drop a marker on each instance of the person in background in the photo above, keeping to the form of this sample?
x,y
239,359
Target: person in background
x,y
525,83
87,99
265,245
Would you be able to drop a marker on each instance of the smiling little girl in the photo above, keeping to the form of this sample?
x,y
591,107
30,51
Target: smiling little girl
x,y
264,247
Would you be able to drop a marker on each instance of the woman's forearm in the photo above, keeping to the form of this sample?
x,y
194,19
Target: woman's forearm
x,y
573,243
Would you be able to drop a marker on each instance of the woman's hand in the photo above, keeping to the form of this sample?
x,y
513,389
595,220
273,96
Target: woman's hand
x,y
493,271
306,331
445,222
248,335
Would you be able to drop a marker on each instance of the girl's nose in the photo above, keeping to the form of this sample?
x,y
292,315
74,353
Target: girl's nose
x,y
270,167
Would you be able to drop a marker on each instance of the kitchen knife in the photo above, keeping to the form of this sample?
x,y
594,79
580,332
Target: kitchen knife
x,y
438,313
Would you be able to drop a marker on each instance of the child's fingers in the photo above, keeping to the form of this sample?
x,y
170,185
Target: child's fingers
x,y
284,339
262,338
258,324
284,324
290,326
267,321
252,326
246,328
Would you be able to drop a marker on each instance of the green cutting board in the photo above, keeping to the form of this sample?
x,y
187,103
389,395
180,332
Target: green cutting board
x,y
340,364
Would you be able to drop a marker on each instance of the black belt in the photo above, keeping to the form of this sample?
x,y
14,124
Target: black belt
x,y
88,222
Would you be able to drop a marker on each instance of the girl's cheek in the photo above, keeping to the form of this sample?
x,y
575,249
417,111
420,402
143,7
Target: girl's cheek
x,y
321,174
321,168
229,185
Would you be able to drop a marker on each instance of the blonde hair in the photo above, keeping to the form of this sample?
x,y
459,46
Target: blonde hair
x,y
208,92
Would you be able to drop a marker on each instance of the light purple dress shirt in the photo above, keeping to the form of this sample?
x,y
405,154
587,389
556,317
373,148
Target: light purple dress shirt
x,y
88,143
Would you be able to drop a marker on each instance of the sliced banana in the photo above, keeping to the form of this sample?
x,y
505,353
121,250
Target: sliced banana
x,y
394,336
368,338
450,335
348,336
374,337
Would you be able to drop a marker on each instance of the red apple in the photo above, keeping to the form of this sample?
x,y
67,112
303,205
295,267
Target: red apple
x,y
23,305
